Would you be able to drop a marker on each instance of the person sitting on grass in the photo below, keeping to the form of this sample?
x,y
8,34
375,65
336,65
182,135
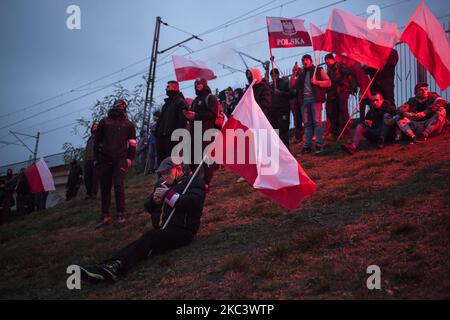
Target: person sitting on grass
x,y
167,197
422,116
373,128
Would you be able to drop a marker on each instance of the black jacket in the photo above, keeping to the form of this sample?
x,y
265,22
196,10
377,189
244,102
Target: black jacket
x,y
112,138
189,207
262,95
280,102
318,92
172,116
205,107
376,115
75,176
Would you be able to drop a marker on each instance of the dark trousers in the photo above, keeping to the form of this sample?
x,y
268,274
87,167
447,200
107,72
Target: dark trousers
x,y
112,172
155,241
152,157
25,203
72,191
280,120
298,122
41,200
90,178
164,148
337,113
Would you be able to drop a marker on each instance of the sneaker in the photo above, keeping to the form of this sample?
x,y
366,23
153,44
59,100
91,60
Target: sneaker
x,y
107,271
121,218
206,188
104,220
349,148
318,150
240,180
306,150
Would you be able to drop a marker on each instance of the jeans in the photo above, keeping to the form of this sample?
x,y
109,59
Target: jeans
x,y
337,113
312,119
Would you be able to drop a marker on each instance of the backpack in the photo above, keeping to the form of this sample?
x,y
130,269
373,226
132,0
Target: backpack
x,y
220,116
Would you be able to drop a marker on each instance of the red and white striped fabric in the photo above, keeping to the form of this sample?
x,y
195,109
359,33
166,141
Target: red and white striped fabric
x,y
428,42
287,33
318,37
288,184
186,69
39,177
350,34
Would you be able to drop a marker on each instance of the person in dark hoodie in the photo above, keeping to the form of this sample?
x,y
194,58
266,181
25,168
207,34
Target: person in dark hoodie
x,y
114,149
280,111
261,89
170,119
373,127
90,176
167,197
74,180
204,112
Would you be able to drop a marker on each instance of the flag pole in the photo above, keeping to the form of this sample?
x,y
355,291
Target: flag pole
x,y
185,189
273,72
357,105
317,62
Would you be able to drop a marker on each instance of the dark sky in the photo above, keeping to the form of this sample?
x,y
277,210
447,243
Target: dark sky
x,y
41,58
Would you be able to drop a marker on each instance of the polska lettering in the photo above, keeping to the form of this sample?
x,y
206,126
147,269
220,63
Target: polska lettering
x,y
290,42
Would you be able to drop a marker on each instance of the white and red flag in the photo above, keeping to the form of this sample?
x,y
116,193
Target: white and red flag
x,y
186,69
287,33
318,37
243,147
39,177
429,44
350,35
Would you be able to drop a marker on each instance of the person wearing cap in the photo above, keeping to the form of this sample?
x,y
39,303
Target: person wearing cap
x,y
342,85
170,119
422,116
204,111
180,230
114,151
310,89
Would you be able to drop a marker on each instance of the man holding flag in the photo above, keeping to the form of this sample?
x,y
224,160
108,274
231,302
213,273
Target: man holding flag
x,y
310,90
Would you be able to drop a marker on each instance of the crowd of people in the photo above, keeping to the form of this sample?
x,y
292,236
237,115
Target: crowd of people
x,y
175,210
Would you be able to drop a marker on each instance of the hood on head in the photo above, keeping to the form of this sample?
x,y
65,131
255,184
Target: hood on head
x,y
256,74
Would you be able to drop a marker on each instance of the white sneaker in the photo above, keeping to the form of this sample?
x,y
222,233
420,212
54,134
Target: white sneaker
x,y
240,180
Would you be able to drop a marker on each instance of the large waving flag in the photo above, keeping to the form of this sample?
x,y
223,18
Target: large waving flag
x,y
318,39
278,175
350,34
186,69
287,33
39,177
428,42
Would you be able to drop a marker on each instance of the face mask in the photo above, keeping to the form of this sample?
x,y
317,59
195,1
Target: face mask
x,y
171,93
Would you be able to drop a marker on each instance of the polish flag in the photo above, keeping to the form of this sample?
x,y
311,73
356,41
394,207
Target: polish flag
x,y
350,34
287,33
318,37
39,177
186,69
428,42
278,175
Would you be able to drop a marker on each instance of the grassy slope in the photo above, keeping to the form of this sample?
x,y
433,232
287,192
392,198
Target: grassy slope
x,y
389,208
